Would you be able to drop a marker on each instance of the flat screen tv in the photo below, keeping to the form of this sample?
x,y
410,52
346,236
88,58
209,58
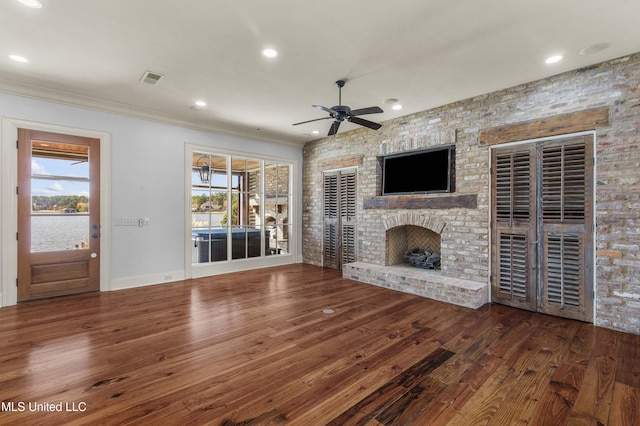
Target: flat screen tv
x,y
419,172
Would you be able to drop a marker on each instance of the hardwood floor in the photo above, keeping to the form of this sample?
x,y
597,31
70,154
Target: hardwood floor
x,y
255,348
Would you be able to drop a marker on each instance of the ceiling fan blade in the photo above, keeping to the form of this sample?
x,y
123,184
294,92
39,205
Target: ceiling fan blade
x,y
370,110
365,123
309,121
334,128
330,111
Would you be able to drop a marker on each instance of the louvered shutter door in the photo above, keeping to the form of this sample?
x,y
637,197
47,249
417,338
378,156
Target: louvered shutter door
x,y
513,278
330,237
340,198
348,216
514,263
567,214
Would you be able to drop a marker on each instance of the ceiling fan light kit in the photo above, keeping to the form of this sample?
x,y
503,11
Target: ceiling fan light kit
x,y
340,113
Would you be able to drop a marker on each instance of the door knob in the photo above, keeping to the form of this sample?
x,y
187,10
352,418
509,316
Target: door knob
x,y
94,255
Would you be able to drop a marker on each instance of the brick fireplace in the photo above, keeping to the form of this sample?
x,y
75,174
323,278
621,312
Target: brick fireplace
x,y
405,231
403,234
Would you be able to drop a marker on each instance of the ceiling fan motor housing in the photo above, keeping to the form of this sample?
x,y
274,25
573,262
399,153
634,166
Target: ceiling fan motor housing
x,y
341,112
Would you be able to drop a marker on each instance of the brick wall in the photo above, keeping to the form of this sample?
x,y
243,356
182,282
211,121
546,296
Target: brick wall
x,y
465,243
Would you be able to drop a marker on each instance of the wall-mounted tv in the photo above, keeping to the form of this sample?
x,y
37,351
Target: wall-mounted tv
x,y
419,172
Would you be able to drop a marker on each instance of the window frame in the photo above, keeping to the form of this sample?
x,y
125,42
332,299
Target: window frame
x,y
194,269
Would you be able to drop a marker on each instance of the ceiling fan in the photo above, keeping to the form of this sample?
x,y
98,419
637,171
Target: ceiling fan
x,y
342,112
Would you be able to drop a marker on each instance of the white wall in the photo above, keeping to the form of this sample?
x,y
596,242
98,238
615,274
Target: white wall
x,y
147,180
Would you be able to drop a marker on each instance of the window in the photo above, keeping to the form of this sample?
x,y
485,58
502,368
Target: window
x,y
239,207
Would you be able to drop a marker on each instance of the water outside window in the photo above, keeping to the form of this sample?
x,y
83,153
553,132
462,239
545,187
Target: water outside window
x,y
59,197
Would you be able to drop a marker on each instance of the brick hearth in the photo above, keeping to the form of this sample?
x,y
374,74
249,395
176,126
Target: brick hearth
x,y
425,283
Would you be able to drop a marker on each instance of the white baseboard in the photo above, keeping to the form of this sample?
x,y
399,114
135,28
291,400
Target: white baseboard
x,y
144,280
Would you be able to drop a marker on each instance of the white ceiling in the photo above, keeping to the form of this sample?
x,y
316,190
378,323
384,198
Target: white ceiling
x,y
425,53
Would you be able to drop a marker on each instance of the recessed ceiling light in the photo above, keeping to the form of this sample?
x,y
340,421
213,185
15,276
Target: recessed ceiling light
x,y
34,4
395,105
315,132
270,53
594,48
553,59
18,58
201,103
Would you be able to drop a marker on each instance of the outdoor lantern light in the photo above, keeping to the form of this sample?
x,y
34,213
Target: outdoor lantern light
x,y
204,170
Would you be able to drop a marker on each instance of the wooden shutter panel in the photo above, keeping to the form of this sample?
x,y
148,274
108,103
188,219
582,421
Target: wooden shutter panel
x,y
513,266
348,244
563,182
330,237
340,204
513,278
564,270
567,211
513,187
348,200
542,236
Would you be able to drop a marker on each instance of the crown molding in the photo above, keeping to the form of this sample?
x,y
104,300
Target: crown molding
x,y
72,99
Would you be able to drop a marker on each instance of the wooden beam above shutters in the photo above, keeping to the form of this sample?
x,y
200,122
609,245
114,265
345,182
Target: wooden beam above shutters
x,y
551,126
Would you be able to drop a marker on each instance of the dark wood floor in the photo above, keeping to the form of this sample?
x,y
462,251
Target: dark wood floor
x,y
255,348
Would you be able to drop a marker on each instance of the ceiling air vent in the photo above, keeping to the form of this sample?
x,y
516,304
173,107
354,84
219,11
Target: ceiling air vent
x,y
151,77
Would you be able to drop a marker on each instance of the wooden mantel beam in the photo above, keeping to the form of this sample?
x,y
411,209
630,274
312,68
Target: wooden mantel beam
x,y
545,127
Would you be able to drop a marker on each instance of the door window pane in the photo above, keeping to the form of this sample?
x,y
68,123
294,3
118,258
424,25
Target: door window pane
x,y
238,242
59,196
54,233
208,207
277,177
